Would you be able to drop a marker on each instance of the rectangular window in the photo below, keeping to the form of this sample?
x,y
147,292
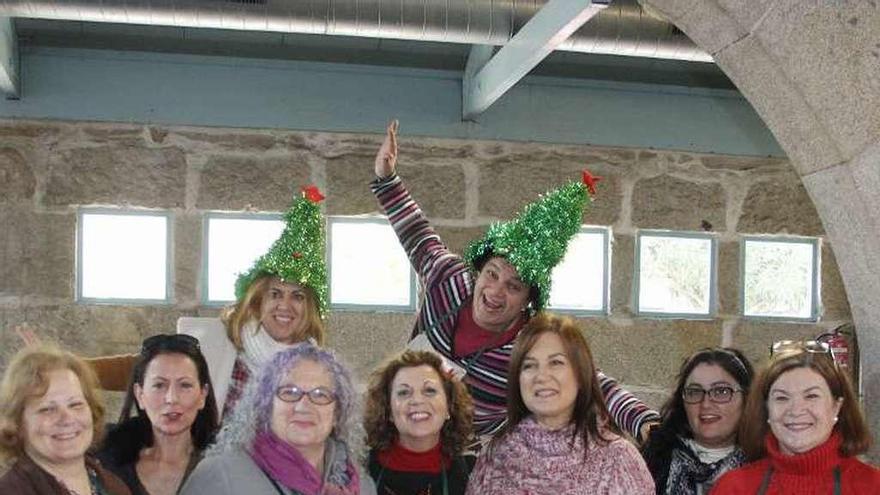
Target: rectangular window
x,y
232,243
368,267
780,277
123,256
675,274
580,281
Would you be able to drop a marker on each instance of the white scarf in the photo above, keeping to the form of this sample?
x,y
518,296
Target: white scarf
x,y
708,455
258,346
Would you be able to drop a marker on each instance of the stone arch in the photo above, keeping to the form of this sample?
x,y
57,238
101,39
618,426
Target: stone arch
x,y
811,69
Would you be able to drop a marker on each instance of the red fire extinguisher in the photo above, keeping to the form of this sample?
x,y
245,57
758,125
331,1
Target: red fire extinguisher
x,y
839,344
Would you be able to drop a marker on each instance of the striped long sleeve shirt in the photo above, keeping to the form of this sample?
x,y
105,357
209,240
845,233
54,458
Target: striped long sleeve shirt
x,y
448,283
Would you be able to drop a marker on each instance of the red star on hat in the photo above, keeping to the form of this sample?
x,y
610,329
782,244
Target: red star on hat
x,y
312,194
590,181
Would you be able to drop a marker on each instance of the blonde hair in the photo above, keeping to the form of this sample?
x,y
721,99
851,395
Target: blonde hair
x,y
249,308
26,378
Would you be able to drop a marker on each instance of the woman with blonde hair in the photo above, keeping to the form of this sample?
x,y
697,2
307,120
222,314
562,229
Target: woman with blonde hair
x,y
50,416
281,301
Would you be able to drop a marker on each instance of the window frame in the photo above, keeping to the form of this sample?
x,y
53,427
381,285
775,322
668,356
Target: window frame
x,y
387,308
713,274
816,283
606,276
204,280
169,256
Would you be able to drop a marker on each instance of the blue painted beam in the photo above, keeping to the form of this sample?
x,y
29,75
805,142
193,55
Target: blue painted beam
x,y
9,83
175,89
549,27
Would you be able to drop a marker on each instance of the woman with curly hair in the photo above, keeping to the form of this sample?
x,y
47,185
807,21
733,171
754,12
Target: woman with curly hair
x,y
418,420
292,433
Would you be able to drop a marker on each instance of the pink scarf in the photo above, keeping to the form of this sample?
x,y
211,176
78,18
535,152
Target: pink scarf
x,y
284,464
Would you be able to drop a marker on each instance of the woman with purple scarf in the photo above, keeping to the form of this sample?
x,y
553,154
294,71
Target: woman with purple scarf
x,y
290,435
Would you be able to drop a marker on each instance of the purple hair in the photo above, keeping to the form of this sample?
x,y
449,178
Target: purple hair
x,y
253,414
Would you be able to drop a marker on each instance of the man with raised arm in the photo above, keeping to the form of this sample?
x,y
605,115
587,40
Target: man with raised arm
x,y
474,306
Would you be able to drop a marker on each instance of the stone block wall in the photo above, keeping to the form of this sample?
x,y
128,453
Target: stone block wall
x,y
49,169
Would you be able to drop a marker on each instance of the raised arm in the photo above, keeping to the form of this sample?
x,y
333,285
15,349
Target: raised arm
x,y
386,157
628,412
420,241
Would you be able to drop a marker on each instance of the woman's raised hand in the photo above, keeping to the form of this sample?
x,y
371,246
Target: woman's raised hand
x,y
386,157
27,335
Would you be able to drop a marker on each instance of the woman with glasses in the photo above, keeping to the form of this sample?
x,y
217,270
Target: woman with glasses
x,y
803,427
418,419
168,418
291,434
696,441
559,438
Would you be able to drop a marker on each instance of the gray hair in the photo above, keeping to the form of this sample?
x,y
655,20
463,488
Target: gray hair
x,y
252,415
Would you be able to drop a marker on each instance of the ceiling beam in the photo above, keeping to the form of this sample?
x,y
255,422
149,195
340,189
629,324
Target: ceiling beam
x,y
487,78
9,84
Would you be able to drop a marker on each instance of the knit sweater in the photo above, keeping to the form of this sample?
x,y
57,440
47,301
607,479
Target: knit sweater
x,y
532,459
448,285
810,473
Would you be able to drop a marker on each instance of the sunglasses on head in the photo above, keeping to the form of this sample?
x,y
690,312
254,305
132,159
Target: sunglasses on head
x,y
811,346
170,341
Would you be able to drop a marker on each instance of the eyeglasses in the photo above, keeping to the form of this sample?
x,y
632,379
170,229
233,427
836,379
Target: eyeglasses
x,y
319,396
721,394
811,346
172,340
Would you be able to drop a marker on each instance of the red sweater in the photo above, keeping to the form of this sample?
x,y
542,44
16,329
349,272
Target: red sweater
x,y
803,474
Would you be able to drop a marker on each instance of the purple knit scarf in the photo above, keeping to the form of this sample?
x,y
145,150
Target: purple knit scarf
x,y
284,464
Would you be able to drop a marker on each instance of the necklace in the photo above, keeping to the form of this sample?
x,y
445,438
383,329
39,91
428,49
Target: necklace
x,y
93,484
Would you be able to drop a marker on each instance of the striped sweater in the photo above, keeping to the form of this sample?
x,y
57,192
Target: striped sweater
x,y
448,283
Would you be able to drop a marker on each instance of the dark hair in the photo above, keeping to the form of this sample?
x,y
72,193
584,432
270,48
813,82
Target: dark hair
x,y
854,432
534,294
133,433
378,421
590,410
657,451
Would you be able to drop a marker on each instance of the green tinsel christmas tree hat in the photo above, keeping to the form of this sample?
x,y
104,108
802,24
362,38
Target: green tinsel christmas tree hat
x,y
298,255
536,241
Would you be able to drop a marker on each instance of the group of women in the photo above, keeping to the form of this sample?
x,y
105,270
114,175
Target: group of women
x,y
495,396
